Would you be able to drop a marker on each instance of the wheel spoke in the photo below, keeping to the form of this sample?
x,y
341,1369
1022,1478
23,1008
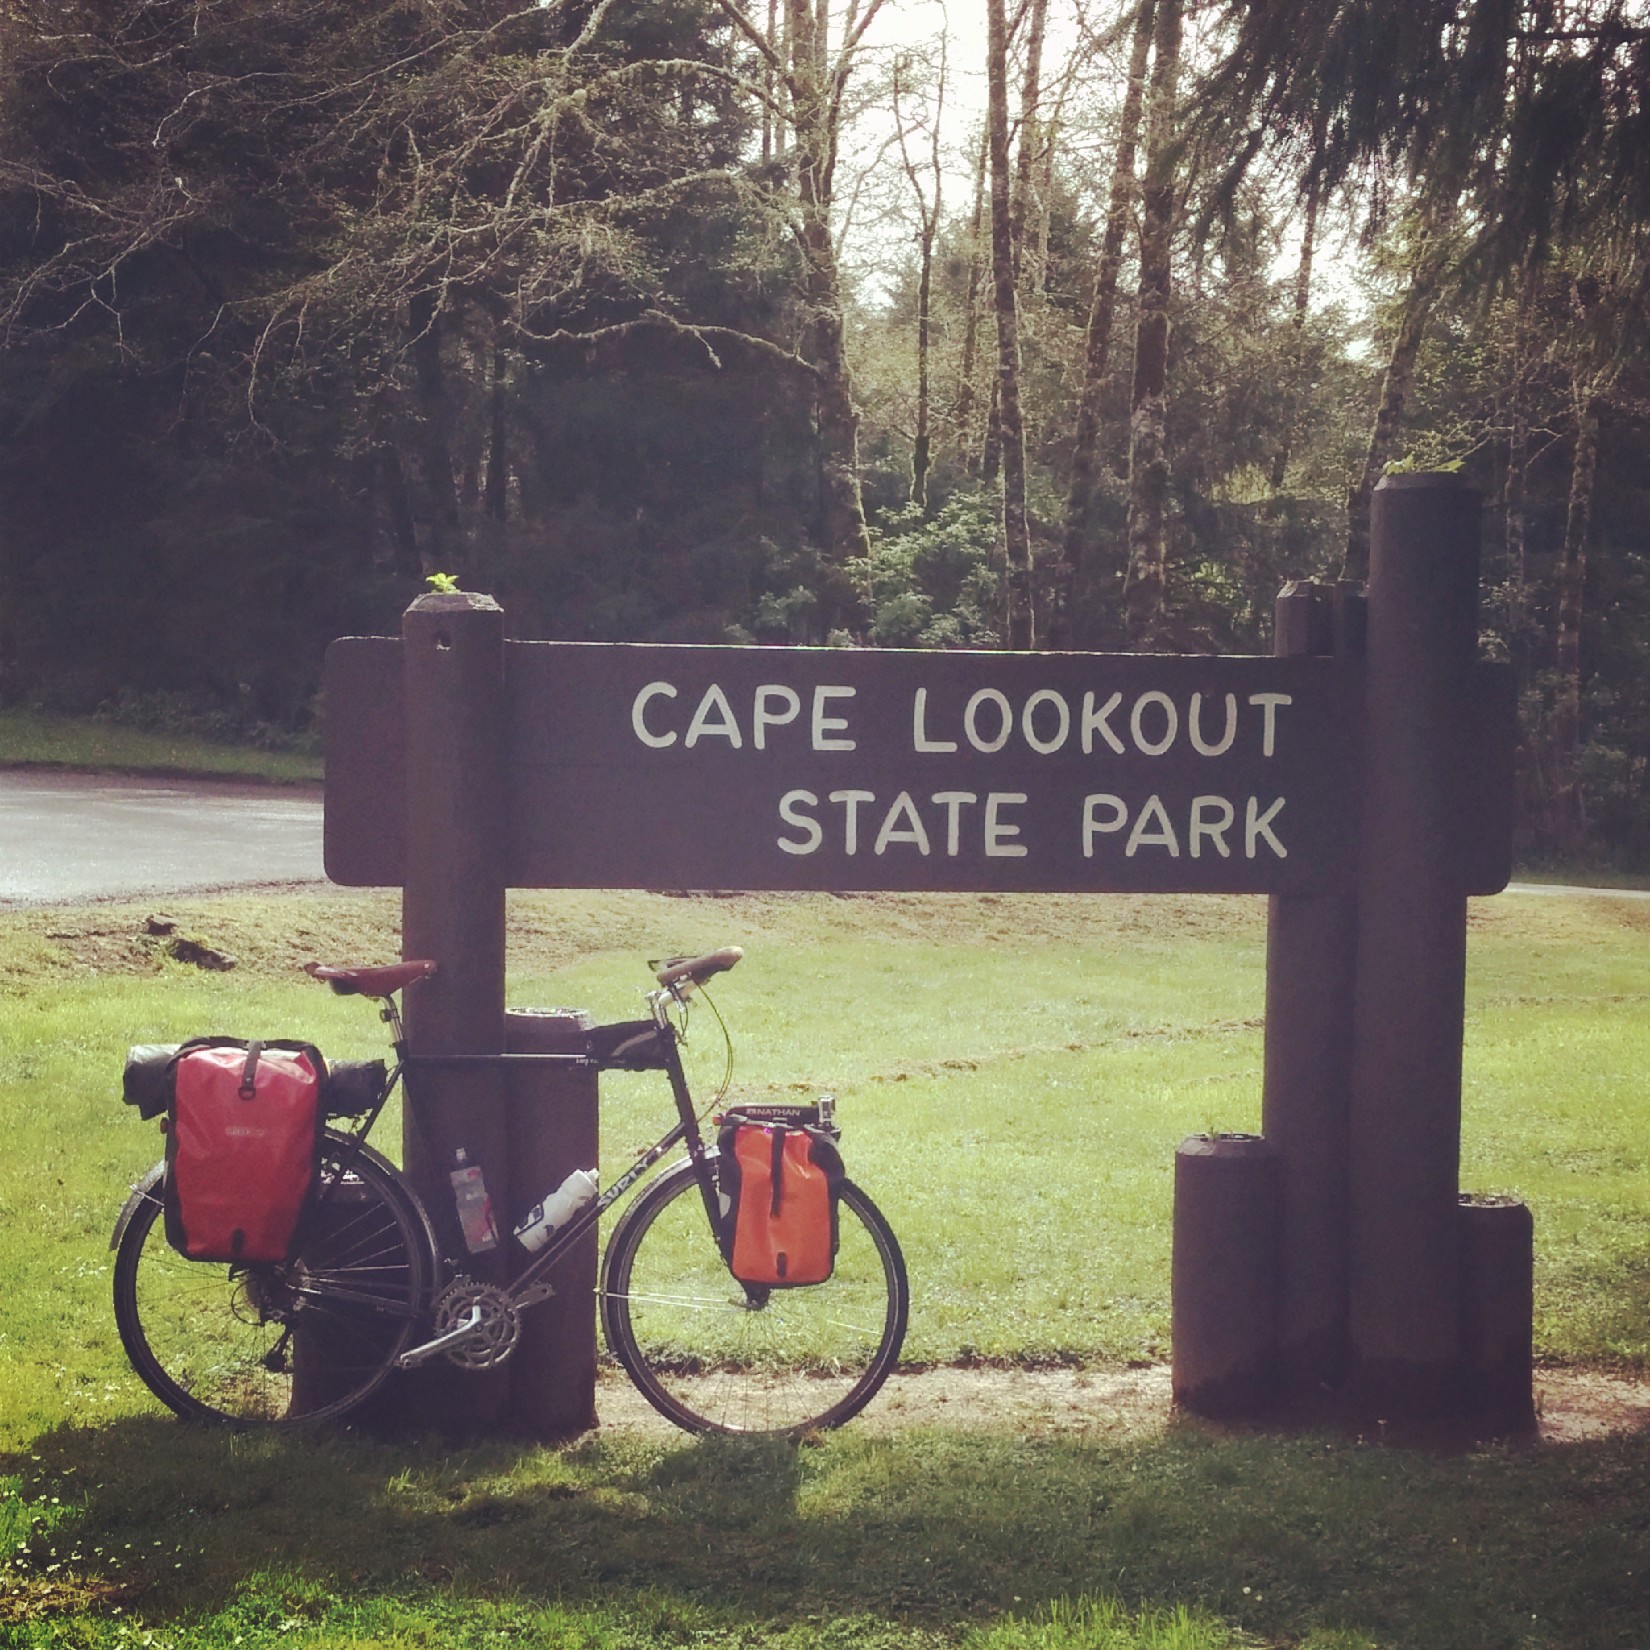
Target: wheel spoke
x,y
300,1340
713,1361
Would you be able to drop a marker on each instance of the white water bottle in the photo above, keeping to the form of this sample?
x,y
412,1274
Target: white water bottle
x,y
545,1217
475,1207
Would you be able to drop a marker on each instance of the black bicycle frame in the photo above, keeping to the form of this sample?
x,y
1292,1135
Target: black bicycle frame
x,y
686,1129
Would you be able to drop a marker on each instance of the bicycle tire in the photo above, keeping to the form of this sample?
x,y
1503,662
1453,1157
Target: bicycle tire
x,y
712,1355
227,1344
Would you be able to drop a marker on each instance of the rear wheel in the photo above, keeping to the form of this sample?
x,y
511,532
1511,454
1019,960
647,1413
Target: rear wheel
x,y
303,1340
714,1355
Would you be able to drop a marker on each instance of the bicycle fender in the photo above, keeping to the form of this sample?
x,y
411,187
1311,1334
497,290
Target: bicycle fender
x,y
142,1192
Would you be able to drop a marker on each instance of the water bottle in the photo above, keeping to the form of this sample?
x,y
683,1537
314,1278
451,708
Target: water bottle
x,y
475,1207
557,1209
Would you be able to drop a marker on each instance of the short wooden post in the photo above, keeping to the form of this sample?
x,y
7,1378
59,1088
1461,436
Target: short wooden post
x,y
1310,952
1404,1131
552,1124
1498,1310
452,910
1224,1274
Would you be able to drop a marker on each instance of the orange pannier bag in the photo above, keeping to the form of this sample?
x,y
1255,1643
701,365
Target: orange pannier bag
x,y
781,1181
242,1148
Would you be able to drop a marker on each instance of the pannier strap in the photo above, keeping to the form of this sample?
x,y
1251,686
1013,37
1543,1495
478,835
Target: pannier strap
x,y
350,981
776,1170
249,1072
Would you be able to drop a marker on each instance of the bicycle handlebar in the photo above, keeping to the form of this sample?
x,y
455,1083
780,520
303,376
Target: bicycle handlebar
x,y
674,972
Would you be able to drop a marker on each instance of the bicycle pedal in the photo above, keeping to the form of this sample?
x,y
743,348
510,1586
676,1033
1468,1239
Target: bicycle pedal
x,y
534,1293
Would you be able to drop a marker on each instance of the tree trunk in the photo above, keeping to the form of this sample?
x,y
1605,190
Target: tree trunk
x,y
1148,452
392,482
1425,284
928,221
1102,317
1026,160
963,411
1303,299
768,85
495,500
842,529
1515,493
922,441
1020,628
1568,821
444,542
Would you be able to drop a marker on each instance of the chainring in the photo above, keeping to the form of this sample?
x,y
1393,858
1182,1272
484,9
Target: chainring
x,y
493,1339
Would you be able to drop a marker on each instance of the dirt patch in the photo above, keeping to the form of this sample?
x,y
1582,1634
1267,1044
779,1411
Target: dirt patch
x,y
1574,1406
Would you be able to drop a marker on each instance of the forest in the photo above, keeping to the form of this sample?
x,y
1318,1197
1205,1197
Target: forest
x,y
1003,323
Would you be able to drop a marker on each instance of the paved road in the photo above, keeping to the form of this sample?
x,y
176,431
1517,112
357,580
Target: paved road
x,y
86,836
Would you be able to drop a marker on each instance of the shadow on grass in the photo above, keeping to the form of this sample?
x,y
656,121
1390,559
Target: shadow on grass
x,y
1298,1540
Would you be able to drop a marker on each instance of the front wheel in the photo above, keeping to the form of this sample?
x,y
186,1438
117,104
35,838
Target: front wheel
x,y
714,1355
301,1340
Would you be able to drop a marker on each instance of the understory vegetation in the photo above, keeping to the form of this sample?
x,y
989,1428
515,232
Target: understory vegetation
x,y
1013,1076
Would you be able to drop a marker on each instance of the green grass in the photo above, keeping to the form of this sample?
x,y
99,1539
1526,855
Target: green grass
x,y
30,738
1013,1077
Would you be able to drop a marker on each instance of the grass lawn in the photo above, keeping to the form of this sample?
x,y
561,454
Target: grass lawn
x,y
1013,1077
30,738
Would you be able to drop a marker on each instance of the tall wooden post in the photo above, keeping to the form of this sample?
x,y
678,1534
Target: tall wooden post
x,y
553,1129
1404,1126
452,910
1311,944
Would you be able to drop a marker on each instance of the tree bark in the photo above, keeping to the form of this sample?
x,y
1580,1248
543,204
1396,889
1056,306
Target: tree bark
x,y
1020,627
1102,318
842,528
1425,284
928,220
495,497
963,409
1567,816
444,541
1515,493
1148,407
392,482
1297,319
1025,166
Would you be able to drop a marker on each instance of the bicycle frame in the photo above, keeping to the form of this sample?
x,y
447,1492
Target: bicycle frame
x,y
522,1289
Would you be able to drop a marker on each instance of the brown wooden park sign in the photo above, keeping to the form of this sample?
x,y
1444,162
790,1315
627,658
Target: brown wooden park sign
x,y
673,767
1362,776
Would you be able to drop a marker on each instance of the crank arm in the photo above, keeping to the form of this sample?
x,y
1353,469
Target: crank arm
x,y
422,1354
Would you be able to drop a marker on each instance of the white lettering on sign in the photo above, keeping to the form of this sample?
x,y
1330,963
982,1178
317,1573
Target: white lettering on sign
x,y
1269,703
825,725
1062,721
1215,830
713,719
762,718
876,819
1194,726
900,823
773,705
919,727
637,720
1153,723
1211,817
1005,720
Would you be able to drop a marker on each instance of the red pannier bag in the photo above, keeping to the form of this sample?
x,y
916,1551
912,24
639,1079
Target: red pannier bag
x,y
242,1148
783,1181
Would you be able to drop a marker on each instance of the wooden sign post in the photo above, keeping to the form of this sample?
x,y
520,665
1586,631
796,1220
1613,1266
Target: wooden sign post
x,y
460,765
